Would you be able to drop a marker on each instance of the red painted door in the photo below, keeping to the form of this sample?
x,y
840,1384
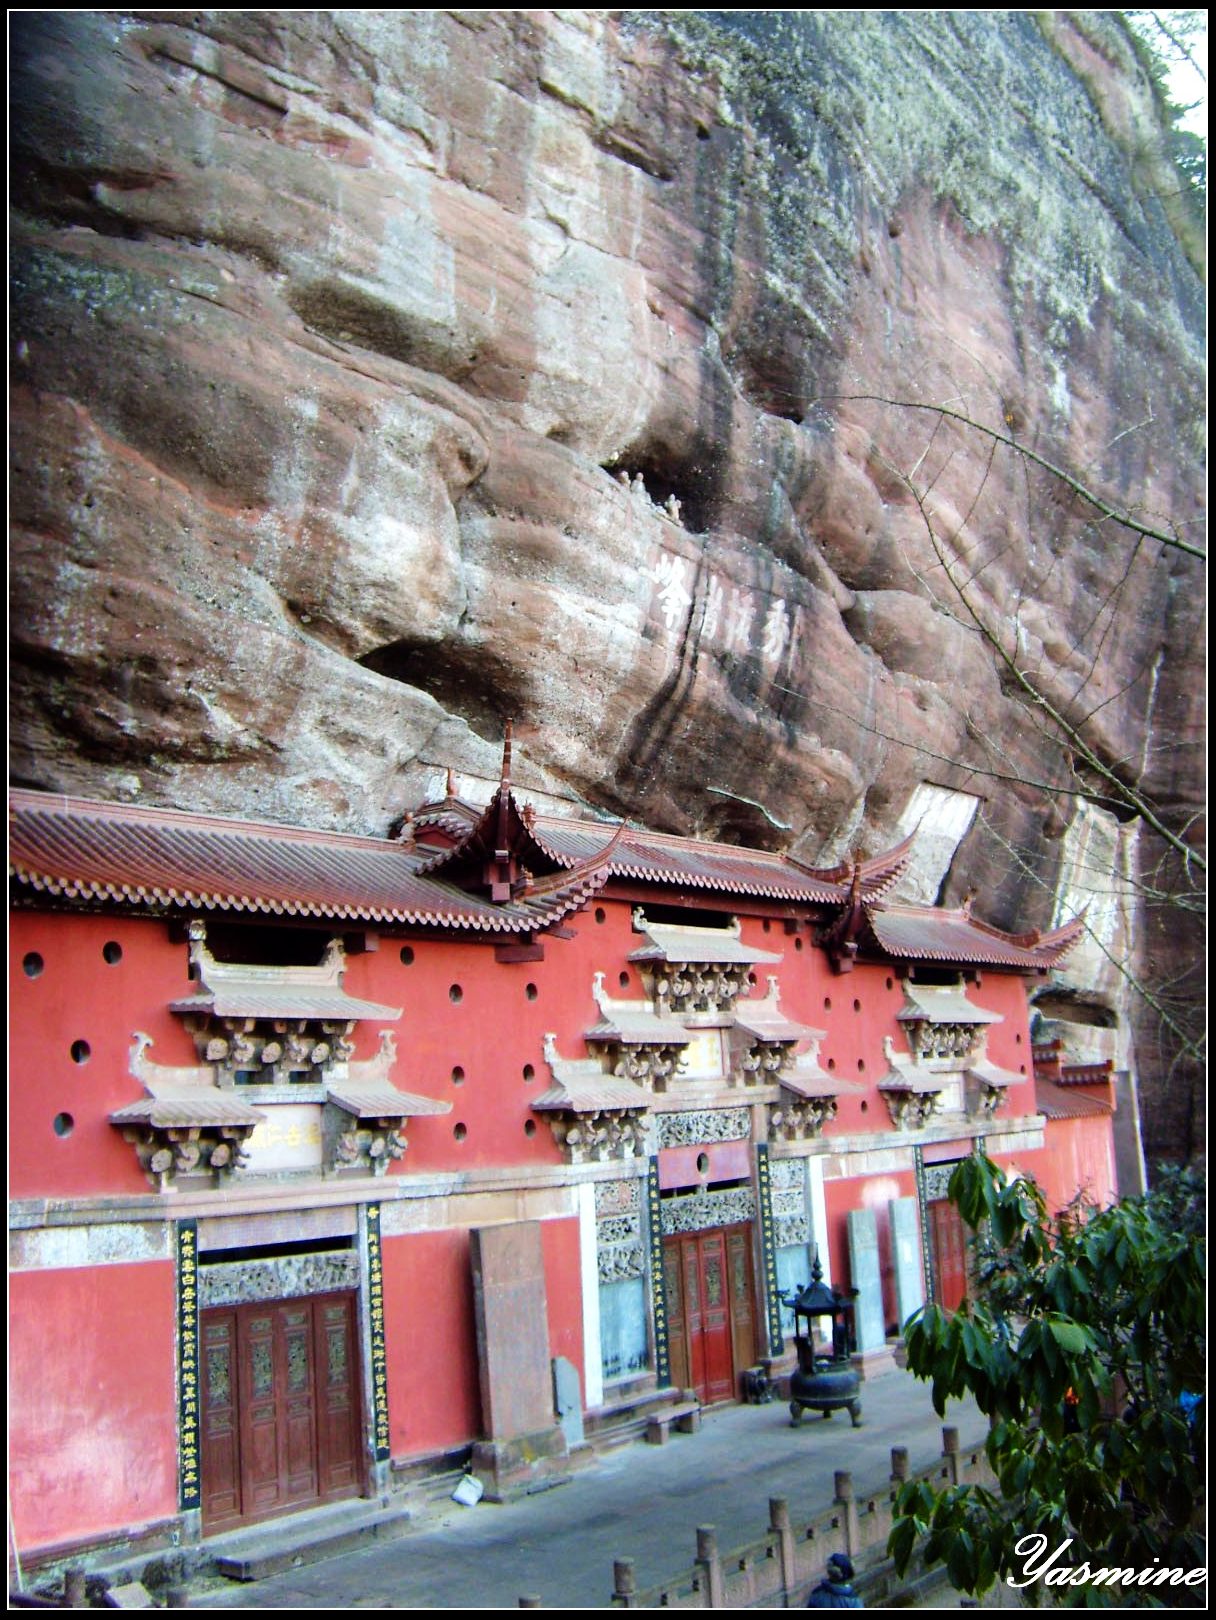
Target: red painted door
x,y
710,1310
949,1238
281,1411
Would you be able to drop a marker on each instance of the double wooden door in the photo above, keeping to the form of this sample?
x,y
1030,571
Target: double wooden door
x,y
281,1408
711,1310
949,1239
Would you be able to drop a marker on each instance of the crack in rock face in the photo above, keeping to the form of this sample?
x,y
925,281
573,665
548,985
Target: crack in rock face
x,y
381,376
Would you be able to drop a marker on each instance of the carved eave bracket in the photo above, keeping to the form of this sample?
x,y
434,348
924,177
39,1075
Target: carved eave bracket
x,y
636,1041
695,971
987,1086
765,1041
913,1093
808,1099
190,1128
259,1025
593,1116
363,1122
946,1070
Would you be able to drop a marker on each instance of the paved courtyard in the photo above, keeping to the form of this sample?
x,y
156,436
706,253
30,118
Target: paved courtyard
x,y
643,1502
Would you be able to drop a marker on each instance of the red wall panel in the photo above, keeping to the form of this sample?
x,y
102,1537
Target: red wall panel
x,y
430,1343
81,997
92,1400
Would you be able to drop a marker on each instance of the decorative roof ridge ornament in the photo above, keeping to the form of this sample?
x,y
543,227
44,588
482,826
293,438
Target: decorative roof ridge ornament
x,y
877,872
499,851
841,938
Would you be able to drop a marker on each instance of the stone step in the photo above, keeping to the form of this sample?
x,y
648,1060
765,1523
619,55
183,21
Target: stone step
x,y
279,1545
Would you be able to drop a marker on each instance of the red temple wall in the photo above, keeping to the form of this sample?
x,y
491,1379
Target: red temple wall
x,y
92,1400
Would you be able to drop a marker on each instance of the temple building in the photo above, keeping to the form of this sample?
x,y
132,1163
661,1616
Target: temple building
x,y
340,1163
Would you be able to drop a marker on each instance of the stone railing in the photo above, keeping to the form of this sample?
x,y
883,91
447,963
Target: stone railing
x,y
780,1567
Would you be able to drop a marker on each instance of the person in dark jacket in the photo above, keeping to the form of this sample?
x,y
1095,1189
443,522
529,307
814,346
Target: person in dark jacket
x,y
836,1592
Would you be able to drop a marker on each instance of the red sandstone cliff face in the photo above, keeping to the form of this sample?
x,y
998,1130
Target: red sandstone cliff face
x,y
381,376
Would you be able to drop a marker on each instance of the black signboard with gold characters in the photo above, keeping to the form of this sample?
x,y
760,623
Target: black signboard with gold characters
x,y
190,1487
922,1205
658,1283
768,1250
375,1308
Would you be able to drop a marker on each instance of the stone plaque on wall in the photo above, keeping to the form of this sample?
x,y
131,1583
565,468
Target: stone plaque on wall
x,y
867,1279
905,1253
512,1329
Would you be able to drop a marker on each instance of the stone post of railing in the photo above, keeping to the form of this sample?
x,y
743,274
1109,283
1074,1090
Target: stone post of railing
x,y
710,1565
73,1588
899,1465
950,1453
779,1524
847,1503
624,1584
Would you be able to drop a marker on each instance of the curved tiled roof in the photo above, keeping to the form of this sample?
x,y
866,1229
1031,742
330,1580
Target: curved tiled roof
x,y
921,933
81,850
1052,1100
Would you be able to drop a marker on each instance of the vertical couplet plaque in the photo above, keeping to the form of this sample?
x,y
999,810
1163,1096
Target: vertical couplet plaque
x,y
658,1281
375,1311
189,1478
926,1242
768,1250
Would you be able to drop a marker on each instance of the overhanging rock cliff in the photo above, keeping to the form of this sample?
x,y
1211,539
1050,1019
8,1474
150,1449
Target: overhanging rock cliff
x,y
378,377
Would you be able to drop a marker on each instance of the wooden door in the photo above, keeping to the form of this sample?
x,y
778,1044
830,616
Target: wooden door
x,y
949,1239
711,1310
281,1410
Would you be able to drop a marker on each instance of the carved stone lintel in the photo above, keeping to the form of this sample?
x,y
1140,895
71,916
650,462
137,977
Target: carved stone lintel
x,y
705,1125
694,1212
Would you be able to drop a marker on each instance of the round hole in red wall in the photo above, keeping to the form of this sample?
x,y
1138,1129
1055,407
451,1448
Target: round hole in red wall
x,y
600,914
827,1003
768,927
458,1076
890,982
81,1051
112,952
460,1132
1021,1068
32,964
865,1107
861,1065
407,955
529,1072
623,981
798,942
1018,1038
529,1127
455,993
752,979
831,1063
857,1006
531,992
63,1125
702,1164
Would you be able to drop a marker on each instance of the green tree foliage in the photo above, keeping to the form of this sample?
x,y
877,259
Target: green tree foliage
x,y
1085,1348
1174,50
